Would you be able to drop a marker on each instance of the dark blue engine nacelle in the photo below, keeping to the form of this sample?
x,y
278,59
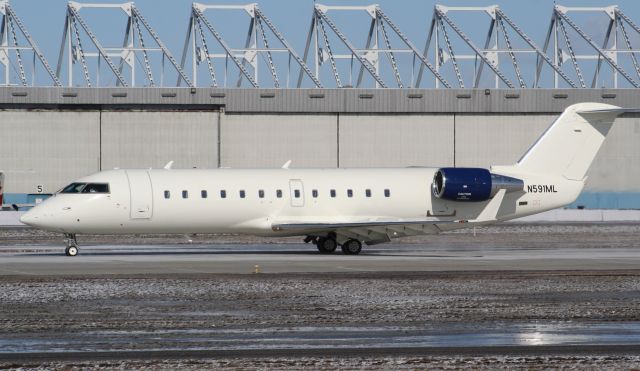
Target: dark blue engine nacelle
x,y
471,184
462,184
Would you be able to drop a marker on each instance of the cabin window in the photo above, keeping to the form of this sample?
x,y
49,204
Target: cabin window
x,y
185,194
203,193
223,193
242,193
73,188
349,193
332,193
167,194
314,193
367,192
261,193
279,193
296,193
96,188
387,193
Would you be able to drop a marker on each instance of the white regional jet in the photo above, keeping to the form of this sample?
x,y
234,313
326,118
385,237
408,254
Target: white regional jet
x,y
333,207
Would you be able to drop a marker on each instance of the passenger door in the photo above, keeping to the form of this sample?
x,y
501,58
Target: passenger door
x,y
141,194
296,189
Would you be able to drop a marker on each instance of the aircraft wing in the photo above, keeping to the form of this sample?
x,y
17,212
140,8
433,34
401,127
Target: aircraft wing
x,y
374,231
369,231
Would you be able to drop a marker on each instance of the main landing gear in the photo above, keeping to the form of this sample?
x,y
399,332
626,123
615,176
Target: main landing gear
x,y
72,245
328,244
351,247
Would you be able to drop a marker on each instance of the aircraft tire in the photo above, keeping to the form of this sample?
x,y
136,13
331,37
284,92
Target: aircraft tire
x,y
352,247
71,251
326,245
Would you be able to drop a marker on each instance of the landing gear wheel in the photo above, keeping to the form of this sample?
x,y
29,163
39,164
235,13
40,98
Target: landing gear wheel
x,y
72,245
352,247
71,251
326,245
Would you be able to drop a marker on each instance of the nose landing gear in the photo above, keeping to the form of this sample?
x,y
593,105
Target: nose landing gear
x,y
72,245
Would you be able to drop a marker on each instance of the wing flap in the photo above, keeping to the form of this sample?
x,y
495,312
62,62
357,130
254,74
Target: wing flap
x,y
370,231
360,224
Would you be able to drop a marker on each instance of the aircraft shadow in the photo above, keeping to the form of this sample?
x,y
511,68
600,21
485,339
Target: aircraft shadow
x,y
390,254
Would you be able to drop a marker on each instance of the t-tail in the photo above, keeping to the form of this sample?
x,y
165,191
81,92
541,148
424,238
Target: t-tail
x,y
551,174
558,162
570,144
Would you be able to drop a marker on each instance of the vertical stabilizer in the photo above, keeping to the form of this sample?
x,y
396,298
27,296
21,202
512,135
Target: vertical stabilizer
x,y
567,148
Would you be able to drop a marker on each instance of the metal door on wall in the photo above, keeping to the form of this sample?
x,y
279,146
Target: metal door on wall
x,y
141,194
297,192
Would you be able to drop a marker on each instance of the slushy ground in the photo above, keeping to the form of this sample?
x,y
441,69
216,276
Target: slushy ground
x,y
527,315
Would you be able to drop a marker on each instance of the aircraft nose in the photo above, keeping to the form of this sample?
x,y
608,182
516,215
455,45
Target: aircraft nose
x,y
30,218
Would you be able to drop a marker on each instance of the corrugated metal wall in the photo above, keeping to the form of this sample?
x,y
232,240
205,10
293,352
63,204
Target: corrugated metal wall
x,y
143,139
49,139
483,140
249,141
47,148
390,140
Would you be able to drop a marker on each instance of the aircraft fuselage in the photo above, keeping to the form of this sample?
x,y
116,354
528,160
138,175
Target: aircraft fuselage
x,y
251,200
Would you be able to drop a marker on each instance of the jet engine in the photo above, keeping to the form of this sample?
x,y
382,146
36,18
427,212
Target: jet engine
x,y
471,184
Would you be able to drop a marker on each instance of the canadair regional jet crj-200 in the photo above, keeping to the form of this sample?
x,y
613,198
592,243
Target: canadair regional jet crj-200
x,y
333,207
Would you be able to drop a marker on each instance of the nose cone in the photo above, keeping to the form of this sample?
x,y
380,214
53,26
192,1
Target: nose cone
x,y
30,218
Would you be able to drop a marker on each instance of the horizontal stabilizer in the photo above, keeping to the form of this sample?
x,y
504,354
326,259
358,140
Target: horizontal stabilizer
x,y
617,110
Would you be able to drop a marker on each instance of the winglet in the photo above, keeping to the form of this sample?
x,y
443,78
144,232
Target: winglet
x,y
286,164
168,165
490,212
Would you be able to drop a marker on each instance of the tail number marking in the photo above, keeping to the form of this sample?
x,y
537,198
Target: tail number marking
x,y
542,188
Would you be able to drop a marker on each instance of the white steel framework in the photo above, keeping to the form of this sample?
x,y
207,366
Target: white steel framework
x,y
615,48
338,52
502,33
80,43
263,41
15,46
382,30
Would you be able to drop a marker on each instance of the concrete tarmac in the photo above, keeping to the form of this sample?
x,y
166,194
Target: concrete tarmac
x,y
563,296
294,258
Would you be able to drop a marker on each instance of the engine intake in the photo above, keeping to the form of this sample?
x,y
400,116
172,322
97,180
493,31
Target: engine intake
x,y
471,184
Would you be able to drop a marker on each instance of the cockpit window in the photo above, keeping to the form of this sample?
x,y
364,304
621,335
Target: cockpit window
x,y
86,188
96,188
73,188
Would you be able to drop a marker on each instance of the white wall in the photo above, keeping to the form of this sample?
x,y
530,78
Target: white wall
x,y
48,148
144,139
53,147
392,140
265,141
485,140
